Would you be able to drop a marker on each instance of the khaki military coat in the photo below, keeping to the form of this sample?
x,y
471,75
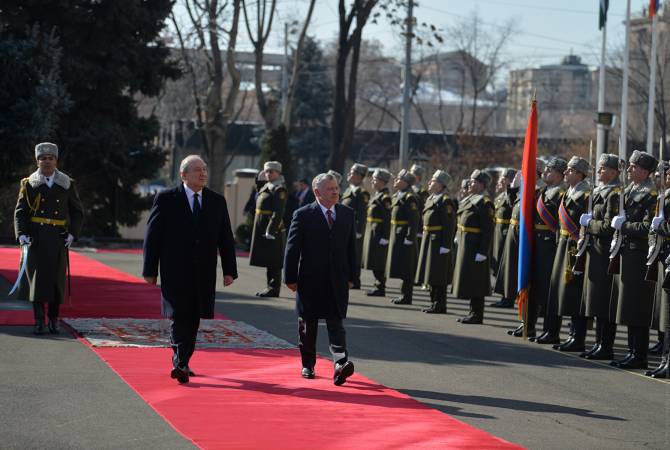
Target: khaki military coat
x,y
503,203
357,198
633,295
439,225
270,204
597,279
47,215
378,227
402,257
475,234
661,296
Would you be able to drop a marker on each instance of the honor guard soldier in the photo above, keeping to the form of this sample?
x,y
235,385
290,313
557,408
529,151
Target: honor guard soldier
x,y
337,175
421,194
597,279
471,278
47,219
439,224
401,259
269,234
566,286
375,244
661,226
655,273
547,231
357,198
504,204
635,295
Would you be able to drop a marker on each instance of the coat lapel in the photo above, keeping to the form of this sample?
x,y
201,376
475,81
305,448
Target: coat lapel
x,y
183,202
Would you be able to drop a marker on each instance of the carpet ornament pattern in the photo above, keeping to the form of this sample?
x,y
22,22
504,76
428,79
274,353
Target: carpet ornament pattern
x,y
215,333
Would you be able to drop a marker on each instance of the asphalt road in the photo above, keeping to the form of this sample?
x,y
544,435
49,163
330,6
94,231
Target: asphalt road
x,y
519,391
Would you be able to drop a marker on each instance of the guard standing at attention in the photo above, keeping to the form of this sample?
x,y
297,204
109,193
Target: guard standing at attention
x,y
357,198
376,241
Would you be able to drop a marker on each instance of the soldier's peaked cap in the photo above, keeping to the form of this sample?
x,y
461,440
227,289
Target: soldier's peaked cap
x,y
272,165
442,177
417,169
382,174
608,160
558,164
580,165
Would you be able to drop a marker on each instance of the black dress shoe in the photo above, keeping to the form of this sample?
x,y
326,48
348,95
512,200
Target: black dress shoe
x,y
661,372
519,333
342,372
472,320
53,326
181,374
547,339
535,338
514,332
39,327
634,363
307,373
503,303
590,351
618,362
572,346
434,311
376,293
656,349
565,343
401,301
268,293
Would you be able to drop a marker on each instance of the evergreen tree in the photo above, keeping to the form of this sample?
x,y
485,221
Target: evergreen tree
x,y
111,52
275,148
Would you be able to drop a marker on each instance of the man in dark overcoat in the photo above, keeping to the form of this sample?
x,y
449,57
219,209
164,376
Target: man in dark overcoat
x,y
269,232
48,217
188,227
319,266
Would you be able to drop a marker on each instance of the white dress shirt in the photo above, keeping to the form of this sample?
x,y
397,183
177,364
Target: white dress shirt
x,y
190,194
324,209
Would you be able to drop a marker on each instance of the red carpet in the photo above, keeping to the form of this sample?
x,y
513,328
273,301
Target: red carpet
x,y
257,399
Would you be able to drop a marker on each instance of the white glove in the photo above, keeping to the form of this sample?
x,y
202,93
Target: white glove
x,y
24,240
617,222
407,242
359,235
383,241
68,240
516,182
269,236
455,239
479,257
656,222
584,219
444,250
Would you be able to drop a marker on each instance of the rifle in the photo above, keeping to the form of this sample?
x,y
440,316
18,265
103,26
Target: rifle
x,y
657,241
617,238
583,243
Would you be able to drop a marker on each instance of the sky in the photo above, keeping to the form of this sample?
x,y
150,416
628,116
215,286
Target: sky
x,y
547,30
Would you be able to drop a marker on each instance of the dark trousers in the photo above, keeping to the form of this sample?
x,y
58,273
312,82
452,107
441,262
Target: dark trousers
x,y
273,276
307,331
438,297
477,307
38,311
578,328
407,289
605,333
183,333
552,324
638,341
380,280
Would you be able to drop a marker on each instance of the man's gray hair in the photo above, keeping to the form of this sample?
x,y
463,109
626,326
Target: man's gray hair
x,y
321,178
186,162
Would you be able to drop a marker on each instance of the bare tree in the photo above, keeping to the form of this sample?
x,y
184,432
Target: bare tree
x,y
211,25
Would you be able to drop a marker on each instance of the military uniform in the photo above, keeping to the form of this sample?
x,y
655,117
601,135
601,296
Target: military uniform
x,y
47,215
597,279
422,195
376,233
357,198
506,279
504,203
268,222
402,258
474,233
439,223
634,296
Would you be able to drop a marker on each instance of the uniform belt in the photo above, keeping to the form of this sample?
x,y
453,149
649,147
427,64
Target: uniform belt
x,y
541,227
468,229
432,228
264,212
47,221
565,232
375,220
503,221
399,222
513,222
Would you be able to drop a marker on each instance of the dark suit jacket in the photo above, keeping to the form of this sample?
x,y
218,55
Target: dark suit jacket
x,y
186,251
321,261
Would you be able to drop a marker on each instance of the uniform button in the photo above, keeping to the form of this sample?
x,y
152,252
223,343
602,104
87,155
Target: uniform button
x,y
57,201
56,212
42,211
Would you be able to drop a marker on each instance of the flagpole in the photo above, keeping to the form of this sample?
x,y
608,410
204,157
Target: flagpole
x,y
652,87
601,137
624,90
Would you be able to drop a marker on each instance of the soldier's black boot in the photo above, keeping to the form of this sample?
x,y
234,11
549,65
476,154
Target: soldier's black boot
x,y
406,291
503,303
476,316
268,292
661,371
658,348
605,350
576,344
639,348
38,313
438,300
380,285
376,293
273,277
517,331
599,337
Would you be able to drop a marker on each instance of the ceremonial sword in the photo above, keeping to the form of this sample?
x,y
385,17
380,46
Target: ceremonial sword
x,y
24,265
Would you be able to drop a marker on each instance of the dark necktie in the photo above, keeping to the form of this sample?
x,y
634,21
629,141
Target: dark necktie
x,y
196,206
329,214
